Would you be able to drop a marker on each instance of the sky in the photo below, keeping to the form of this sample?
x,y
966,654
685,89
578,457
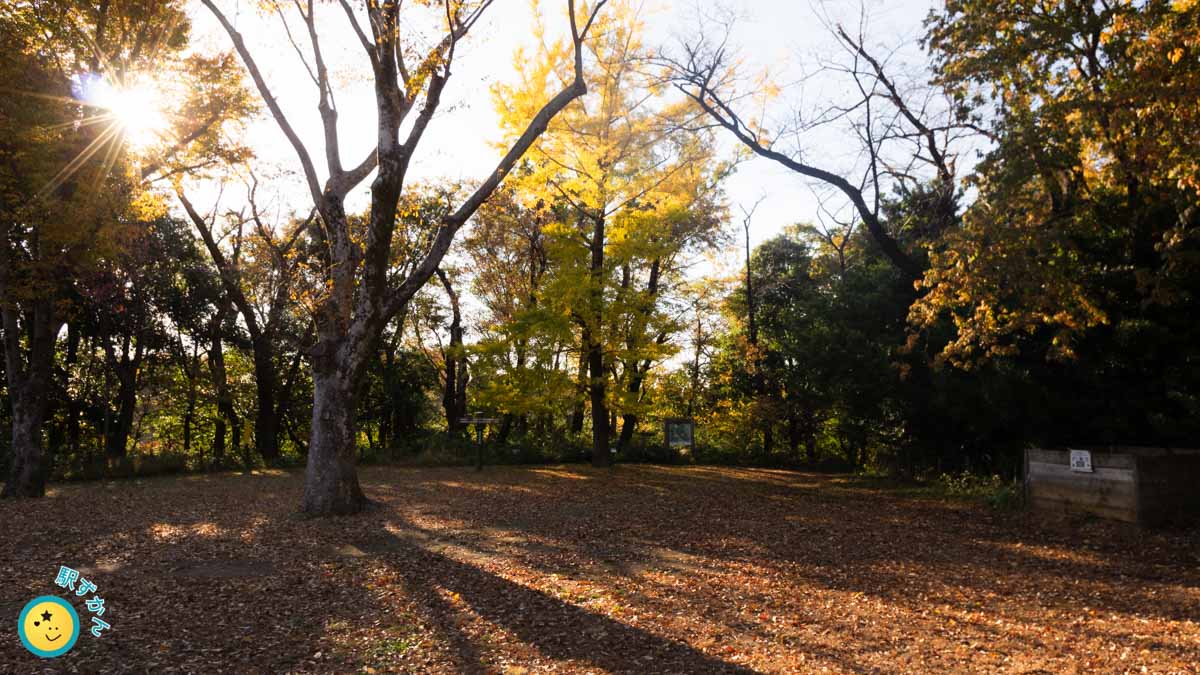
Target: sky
x,y
785,37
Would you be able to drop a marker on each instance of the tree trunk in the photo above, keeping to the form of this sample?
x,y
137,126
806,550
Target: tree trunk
x,y
117,443
73,407
330,482
595,347
454,396
629,420
28,392
31,462
266,421
225,409
628,425
600,454
189,415
359,299
125,367
581,388
506,425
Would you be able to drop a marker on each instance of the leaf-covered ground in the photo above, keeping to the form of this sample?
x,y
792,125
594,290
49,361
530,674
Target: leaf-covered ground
x,y
640,569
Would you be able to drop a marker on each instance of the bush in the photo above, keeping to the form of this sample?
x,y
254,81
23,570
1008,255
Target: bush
x,y
992,490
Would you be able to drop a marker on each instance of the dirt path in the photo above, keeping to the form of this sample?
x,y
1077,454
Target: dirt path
x,y
641,570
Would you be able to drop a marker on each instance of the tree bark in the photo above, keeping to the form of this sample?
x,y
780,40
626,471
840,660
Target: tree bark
x,y
330,482
595,347
28,392
596,392
31,462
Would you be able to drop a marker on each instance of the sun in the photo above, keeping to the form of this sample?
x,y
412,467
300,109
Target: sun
x,y
135,109
138,111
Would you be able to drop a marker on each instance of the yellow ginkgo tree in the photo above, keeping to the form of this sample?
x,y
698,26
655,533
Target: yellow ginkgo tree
x,y
628,189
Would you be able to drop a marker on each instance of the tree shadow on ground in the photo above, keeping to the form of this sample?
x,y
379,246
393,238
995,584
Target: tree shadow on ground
x,y
556,629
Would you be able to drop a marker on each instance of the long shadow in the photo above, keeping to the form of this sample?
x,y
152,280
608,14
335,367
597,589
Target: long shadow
x,y
950,542
576,634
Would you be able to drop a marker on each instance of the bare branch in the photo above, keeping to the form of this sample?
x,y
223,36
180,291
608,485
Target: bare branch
x,y
310,173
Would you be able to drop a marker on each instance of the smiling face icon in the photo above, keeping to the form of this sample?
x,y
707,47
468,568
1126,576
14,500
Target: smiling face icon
x,y
48,626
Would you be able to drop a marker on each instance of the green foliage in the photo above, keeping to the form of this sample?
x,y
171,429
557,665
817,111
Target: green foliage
x,y
997,492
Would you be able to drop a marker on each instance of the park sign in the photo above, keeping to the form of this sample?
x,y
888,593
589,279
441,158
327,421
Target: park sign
x,y
679,432
1081,461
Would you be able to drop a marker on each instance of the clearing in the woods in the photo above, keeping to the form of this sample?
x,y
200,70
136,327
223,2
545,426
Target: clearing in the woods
x,y
638,569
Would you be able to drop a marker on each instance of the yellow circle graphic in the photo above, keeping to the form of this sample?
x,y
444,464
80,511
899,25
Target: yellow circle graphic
x,y
49,626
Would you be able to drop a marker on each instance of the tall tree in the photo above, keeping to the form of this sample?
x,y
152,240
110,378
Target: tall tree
x,y
615,161
358,299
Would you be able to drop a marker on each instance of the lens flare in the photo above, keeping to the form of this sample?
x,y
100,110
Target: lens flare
x,y
136,108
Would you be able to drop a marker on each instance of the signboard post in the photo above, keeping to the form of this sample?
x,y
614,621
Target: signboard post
x,y
480,423
679,432
1081,460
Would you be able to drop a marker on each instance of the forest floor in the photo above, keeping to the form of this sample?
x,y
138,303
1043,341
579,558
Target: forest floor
x,y
640,569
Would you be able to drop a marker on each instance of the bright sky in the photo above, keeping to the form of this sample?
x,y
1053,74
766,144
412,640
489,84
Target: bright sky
x,y
785,36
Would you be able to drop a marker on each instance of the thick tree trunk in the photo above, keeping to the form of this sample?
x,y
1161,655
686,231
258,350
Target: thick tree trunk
x,y
218,440
330,482
629,421
506,425
31,462
628,426
28,376
118,439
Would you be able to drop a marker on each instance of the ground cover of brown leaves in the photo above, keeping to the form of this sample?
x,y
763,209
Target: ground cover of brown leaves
x,y
640,569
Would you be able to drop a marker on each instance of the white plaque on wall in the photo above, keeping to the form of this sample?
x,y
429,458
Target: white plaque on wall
x,y
1081,460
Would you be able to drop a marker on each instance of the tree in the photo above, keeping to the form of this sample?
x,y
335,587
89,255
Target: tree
x,y
266,319
1083,239
358,299
904,137
72,187
637,193
523,336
